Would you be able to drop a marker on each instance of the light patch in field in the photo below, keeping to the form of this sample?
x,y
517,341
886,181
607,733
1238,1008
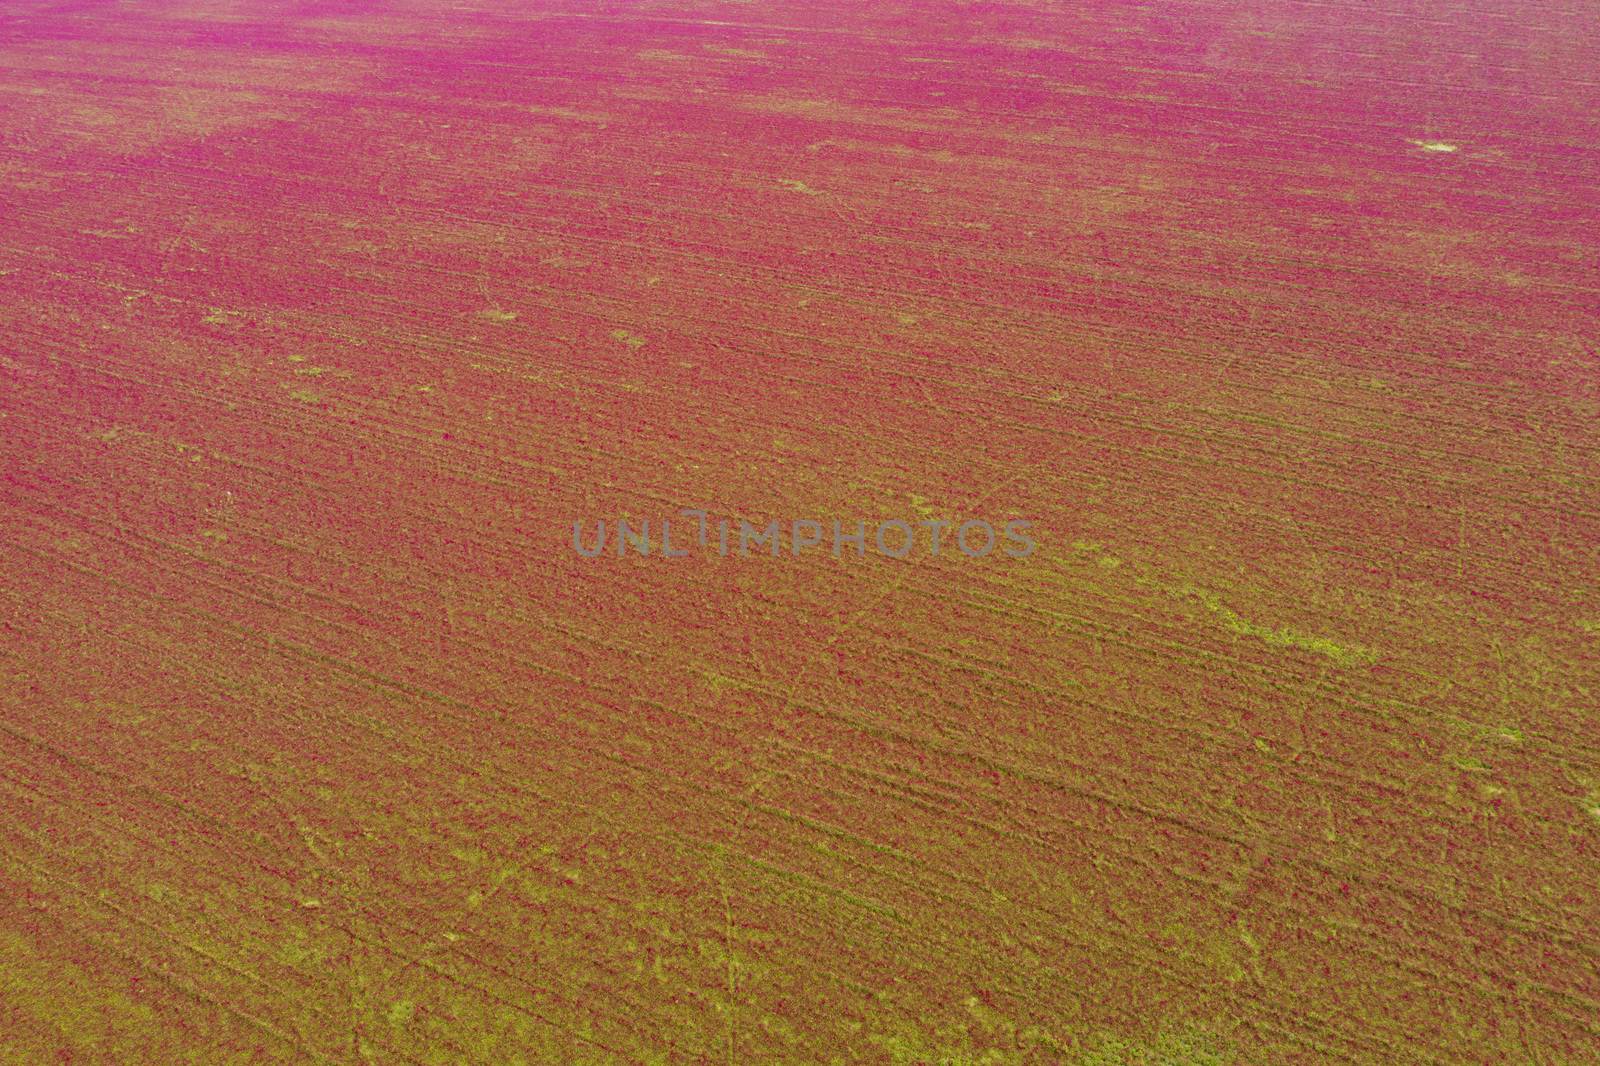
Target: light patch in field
x,y
1436,146
782,103
787,104
628,337
495,314
110,234
720,682
798,186
1284,637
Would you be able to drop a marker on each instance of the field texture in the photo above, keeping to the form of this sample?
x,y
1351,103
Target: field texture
x,y
321,323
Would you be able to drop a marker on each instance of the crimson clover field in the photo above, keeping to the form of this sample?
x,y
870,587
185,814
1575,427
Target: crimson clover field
x,y
322,322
